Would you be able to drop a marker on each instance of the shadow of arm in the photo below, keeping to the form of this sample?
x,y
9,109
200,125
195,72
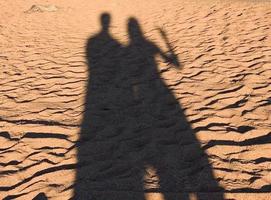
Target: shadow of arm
x,y
172,58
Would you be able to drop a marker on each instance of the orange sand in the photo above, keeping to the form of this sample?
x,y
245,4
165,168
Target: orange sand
x,y
223,88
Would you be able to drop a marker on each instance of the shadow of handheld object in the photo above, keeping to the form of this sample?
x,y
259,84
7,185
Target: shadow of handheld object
x,y
173,58
40,196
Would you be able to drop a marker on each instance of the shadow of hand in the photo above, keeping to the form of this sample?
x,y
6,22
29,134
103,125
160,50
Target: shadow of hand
x,y
173,59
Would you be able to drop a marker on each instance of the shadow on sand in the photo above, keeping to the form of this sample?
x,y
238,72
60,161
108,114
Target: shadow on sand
x,y
135,137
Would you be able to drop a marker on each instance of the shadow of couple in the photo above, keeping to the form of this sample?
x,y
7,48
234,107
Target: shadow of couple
x,y
134,136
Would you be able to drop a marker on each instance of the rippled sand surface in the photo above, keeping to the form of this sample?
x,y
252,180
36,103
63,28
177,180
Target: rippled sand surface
x,y
222,88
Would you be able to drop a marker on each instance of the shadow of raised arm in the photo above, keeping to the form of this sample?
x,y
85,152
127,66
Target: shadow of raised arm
x,y
172,58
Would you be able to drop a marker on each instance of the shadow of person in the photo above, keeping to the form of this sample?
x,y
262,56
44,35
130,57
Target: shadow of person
x,y
134,136
102,157
172,152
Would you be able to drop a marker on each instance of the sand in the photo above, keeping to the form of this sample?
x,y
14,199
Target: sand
x,y
87,114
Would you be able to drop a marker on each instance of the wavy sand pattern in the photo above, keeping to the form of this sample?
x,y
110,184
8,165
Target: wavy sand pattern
x,y
222,89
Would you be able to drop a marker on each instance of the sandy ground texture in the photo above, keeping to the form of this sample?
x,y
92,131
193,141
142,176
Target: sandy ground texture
x,y
135,99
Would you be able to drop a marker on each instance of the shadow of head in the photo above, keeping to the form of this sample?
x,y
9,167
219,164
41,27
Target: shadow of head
x,y
134,29
105,21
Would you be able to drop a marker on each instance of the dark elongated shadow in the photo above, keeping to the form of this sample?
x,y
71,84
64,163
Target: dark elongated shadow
x,y
135,137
